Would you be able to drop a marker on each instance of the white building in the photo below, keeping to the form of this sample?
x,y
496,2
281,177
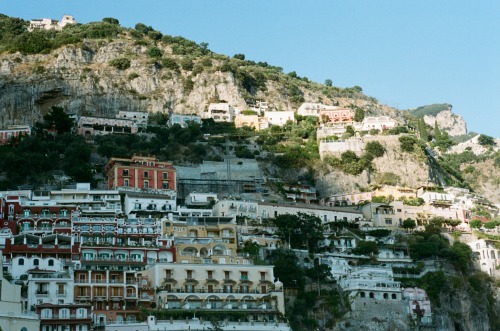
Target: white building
x,y
486,256
138,117
14,313
89,201
279,118
50,287
372,283
339,266
376,123
183,120
50,24
220,112
313,109
263,210
197,324
149,202
201,199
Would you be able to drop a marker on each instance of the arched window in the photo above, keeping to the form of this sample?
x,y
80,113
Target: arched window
x,y
36,262
20,262
386,296
393,296
51,263
362,294
372,295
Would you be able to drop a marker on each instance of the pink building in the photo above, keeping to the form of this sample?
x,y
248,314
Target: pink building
x,y
335,115
418,304
12,132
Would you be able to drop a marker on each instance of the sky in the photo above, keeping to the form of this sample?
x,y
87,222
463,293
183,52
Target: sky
x,y
404,53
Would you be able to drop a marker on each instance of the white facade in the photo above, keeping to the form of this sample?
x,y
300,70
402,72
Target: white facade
x,y
183,120
50,24
486,256
220,112
279,118
50,287
376,123
264,210
14,313
201,199
144,203
21,265
339,266
197,324
372,283
138,117
89,201
313,109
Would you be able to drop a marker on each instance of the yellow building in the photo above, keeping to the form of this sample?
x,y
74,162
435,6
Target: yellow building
x,y
205,240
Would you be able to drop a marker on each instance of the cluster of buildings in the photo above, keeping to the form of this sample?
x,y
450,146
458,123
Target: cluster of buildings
x,y
50,24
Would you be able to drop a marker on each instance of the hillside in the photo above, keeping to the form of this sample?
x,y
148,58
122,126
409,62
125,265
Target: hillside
x,y
79,69
101,68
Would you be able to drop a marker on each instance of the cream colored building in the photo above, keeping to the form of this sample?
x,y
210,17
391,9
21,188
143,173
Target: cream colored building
x,y
279,118
205,240
218,286
251,121
397,192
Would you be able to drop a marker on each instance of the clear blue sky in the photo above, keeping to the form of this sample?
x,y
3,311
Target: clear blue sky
x,y
404,53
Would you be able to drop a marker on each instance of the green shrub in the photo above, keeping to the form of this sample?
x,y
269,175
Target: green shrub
x,y
407,143
170,63
375,148
154,52
121,63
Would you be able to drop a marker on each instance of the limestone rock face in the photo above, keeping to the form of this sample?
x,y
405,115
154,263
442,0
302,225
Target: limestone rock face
x,y
452,123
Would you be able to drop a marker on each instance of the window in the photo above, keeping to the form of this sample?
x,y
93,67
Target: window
x,y
388,221
125,172
226,275
137,206
165,175
36,262
125,183
20,262
189,274
164,185
210,274
244,275
146,174
146,184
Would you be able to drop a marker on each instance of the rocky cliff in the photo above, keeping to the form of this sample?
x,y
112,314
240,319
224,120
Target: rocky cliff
x,y
452,123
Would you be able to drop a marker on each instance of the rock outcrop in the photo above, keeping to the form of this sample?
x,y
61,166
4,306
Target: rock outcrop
x,y
452,123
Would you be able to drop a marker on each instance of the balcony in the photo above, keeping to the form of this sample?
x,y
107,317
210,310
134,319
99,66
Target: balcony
x,y
42,292
61,293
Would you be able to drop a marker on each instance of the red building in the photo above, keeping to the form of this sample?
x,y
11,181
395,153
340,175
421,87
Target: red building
x,y
142,172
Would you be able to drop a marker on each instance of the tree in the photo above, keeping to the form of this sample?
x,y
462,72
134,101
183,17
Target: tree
x,y
328,82
366,248
58,119
287,269
299,230
409,224
111,20
475,224
239,56
349,129
407,143
359,115
375,149
154,52
490,225
485,140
